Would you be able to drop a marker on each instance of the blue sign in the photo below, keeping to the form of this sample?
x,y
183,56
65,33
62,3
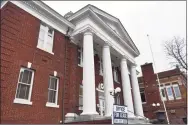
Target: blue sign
x,y
120,115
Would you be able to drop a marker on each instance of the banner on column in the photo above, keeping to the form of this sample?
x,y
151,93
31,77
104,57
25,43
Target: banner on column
x,y
119,115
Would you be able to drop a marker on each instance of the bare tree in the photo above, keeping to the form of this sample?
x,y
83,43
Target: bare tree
x,y
175,49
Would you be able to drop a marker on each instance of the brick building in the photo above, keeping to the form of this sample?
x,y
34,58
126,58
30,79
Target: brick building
x,y
173,91
52,68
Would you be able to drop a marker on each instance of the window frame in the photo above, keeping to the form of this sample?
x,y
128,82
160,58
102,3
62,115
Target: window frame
x,y
144,95
163,98
20,100
80,49
101,67
46,29
116,75
169,97
99,99
81,107
176,85
50,104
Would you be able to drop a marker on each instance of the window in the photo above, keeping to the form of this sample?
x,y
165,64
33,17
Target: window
x,y
116,77
101,66
24,87
101,102
162,93
45,40
53,92
142,94
80,56
169,92
177,91
81,98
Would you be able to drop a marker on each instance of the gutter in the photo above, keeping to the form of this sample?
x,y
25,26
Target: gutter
x,y
67,38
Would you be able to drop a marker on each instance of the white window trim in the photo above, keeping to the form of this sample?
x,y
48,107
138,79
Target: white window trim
x,y
45,39
25,101
116,77
50,104
102,98
81,52
163,98
101,67
81,107
169,97
176,85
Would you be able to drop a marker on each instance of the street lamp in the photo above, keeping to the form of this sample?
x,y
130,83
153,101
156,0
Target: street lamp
x,y
160,114
115,93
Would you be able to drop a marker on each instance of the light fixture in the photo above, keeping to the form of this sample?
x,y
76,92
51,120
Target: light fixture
x,y
158,104
117,90
154,104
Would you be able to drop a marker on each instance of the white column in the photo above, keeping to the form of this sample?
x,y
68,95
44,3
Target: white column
x,y
127,95
108,80
136,93
89,101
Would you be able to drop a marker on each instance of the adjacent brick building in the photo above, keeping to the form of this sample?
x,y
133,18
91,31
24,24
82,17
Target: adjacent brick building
x,y
173,91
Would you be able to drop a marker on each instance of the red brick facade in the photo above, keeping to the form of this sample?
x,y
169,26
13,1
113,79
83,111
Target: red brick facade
x,y
19,37
152,94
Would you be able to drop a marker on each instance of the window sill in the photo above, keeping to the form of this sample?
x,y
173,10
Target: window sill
x,y
52,105
45,50
143,102
117,82
22,101
178,98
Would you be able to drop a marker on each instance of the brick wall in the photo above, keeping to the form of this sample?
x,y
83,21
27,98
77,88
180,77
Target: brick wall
x,y
19,37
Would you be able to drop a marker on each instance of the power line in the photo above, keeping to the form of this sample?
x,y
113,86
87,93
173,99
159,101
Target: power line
x,y
158,81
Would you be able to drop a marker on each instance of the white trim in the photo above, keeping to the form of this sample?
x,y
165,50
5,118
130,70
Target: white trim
x,y
163,98
56,96
80,49
22,101
176,85
25,101
3,3
172,96
43,15
52,105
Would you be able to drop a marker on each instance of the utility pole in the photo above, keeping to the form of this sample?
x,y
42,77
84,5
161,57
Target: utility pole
x,y
158,81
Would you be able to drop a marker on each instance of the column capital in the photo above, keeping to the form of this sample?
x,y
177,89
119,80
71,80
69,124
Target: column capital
x,y
133,65
106,44
88,31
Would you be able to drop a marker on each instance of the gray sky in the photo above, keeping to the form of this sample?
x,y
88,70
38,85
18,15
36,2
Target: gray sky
x,y
162,20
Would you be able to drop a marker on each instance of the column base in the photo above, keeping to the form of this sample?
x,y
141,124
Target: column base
x,y
70,116
131,115
89,113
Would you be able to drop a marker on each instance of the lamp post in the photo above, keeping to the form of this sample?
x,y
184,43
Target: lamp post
x,y
160,114
115,93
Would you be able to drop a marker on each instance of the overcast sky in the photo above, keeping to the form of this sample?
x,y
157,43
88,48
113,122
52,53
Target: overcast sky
x,y
162,20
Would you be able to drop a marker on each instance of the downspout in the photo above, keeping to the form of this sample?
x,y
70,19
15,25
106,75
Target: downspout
x,y
67,37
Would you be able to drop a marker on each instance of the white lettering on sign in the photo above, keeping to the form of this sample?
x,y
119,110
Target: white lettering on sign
x,y
118,108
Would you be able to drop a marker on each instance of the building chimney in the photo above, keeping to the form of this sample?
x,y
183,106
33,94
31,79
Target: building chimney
x,y
147,69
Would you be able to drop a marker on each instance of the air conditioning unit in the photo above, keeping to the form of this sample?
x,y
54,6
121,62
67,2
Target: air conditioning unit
x,y
172,111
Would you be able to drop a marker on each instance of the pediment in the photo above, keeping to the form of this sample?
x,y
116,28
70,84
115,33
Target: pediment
x,y
114,25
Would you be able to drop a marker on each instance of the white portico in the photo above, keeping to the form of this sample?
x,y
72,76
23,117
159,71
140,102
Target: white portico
x,y
99,31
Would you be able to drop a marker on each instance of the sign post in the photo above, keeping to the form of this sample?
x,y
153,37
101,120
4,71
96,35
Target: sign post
x,y
119,115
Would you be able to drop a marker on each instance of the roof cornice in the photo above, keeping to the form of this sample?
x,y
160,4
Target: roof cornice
x,y
109,29
44,13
